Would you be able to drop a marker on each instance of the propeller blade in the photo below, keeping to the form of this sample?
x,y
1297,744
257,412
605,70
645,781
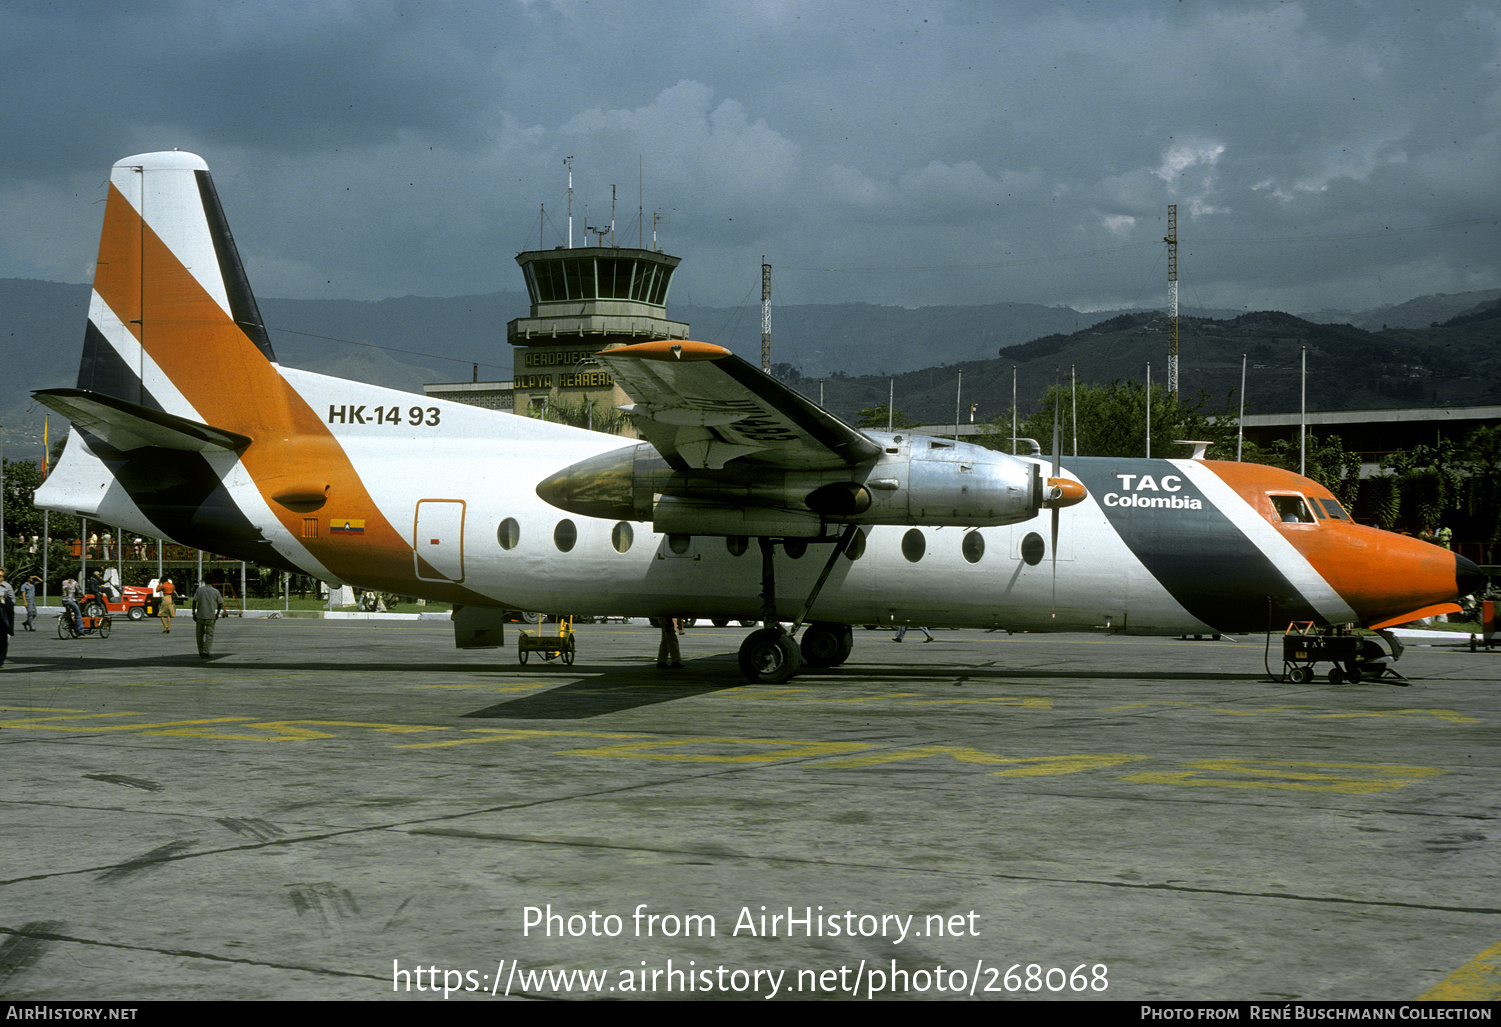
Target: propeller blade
x,y
1057,472
1057,433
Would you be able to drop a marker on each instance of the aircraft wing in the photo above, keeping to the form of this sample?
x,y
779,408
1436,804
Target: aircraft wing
x,y
701,406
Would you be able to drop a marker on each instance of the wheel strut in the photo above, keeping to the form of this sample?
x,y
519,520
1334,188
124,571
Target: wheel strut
x,y
769,655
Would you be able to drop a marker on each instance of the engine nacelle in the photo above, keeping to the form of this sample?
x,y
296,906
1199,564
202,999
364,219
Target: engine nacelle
x,y
915,480
961,484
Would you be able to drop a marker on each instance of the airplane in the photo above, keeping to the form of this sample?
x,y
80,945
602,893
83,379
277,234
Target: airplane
x,y
742,499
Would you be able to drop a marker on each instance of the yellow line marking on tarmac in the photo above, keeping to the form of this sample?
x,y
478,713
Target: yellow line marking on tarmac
x,y
507,734
296,731
1479,980
1025,766
1026,702
42,723
1288,775
652,750
1453,716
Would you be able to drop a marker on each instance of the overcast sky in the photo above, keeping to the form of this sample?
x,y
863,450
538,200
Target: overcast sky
x,y
1322,155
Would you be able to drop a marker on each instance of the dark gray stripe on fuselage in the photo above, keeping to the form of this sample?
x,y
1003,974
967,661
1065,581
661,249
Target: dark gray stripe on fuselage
x,y
1203,560
184,498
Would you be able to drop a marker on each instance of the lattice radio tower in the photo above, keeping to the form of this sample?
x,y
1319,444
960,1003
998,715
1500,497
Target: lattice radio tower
x,y
765,316
1172,297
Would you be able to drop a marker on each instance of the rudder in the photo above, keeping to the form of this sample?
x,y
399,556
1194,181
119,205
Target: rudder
x,y
172,319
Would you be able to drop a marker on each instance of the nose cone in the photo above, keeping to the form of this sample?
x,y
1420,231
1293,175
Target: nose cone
x,y
1468,577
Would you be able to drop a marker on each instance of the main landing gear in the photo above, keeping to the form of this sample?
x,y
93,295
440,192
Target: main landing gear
x,y
770,654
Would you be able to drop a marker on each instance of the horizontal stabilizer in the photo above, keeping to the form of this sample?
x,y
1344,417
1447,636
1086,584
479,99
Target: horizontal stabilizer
x,y
127,426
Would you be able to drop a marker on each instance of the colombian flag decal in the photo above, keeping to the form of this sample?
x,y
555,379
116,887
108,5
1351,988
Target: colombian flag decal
x,y
346,526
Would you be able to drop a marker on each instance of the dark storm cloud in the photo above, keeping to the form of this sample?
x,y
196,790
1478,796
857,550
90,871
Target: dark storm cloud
x,y
1321,155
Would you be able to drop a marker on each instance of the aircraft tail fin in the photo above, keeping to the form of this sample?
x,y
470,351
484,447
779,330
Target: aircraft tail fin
x,y
173,324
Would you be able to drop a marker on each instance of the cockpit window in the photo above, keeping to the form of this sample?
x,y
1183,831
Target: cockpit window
x,y
1332,509
1292,510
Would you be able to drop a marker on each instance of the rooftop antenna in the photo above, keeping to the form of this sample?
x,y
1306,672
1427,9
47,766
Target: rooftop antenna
x,y
602,232
1172,297
657,218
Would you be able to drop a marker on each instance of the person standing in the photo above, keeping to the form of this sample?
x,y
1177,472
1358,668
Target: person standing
x,y
165,610
7,615
208,607
28,595
668,654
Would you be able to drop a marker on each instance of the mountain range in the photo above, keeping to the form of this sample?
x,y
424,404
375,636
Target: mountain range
x,y
1431,350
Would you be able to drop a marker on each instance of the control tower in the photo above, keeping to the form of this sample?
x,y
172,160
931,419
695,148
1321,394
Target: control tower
x,y
585,299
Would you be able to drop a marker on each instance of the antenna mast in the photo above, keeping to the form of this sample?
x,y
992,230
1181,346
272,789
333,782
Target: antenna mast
x,y
569,161
765,315
1172,296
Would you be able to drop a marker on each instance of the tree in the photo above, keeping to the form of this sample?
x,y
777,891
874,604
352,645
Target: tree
x,y
584,414
1432,481
1325,460
1447,482
23,520
1482,453
876,417
1112,422
22,477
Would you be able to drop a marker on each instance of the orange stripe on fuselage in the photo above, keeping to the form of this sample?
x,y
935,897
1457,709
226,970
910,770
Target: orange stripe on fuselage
x,y
231,385
1378,573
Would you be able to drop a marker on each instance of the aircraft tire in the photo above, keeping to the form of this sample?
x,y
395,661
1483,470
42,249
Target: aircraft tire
x,y
769,656
826,645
